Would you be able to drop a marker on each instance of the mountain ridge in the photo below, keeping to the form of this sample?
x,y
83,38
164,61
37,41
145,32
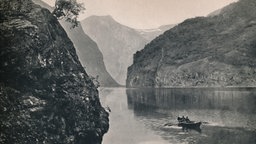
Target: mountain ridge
x,y
203,51
117,42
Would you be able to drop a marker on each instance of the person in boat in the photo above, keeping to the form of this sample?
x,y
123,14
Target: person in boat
x,y
181,119
187,119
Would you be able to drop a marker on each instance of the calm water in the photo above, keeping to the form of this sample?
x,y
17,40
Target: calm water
x,y
138,116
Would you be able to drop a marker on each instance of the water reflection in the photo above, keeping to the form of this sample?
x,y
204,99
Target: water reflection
x,y
242,100
139,116
125,128
223,111
225,104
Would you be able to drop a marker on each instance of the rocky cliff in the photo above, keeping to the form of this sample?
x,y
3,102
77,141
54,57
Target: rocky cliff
x,y
218,50
87,50
45,94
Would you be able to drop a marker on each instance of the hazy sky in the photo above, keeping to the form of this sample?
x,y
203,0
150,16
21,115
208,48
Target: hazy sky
x,y
146,14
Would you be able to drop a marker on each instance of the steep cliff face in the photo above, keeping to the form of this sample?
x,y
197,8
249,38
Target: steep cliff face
x,y
87,50
117,43
89,55
45,94
218,50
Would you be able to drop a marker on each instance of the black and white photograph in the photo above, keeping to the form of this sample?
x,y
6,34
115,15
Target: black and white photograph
x,y
128,72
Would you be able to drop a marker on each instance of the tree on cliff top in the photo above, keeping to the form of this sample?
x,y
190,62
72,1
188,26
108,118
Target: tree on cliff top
x,y
68,9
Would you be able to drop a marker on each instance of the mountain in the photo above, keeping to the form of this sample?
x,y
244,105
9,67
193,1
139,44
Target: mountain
x,y
89,55
87,51
218,50
117,42
45,94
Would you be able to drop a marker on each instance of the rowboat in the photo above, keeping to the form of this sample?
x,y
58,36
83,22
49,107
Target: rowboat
x,y
187,124
190,125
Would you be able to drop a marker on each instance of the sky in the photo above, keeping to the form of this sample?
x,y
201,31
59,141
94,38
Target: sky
x,y
147,14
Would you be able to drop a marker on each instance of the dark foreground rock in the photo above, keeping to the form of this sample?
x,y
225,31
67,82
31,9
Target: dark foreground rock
x,y
218,50
45,94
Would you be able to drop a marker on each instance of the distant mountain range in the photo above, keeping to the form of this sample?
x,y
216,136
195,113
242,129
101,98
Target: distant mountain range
x,y
87,50
150,34
218,50
118,42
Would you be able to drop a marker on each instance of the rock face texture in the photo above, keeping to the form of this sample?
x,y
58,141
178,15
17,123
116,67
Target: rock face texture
x,y
219,50
87,50
45,94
